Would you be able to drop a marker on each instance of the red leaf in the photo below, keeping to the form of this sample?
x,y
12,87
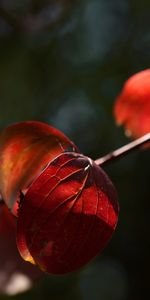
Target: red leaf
x,y
25,149
132,107
16,275
68,214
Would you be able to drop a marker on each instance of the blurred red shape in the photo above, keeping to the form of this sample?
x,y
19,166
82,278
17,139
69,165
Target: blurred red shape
x,y
16,275
68,214
132,106
25,149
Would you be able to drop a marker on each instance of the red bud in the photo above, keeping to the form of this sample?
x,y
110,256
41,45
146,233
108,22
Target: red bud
x,y
68,214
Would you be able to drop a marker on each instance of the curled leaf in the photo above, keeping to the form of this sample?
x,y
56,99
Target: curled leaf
x,y
132,106
25,149
68,214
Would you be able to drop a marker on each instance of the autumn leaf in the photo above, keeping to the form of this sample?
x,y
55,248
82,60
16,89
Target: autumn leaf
x,y
132,106
68,214
16,275
25,149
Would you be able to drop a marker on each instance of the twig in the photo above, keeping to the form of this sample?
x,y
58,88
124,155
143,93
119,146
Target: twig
x,y
114,155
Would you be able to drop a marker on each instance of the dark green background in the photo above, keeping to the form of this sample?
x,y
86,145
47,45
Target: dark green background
x,y
64,62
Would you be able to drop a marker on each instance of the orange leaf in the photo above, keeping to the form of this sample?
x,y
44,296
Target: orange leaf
x,y
25,149
132,106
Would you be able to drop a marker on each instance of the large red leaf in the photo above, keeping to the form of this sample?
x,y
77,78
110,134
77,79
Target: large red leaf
x,y
25,149
68,214
132,106
15,274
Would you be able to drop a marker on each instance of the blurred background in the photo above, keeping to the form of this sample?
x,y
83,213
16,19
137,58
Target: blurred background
x,y
64,62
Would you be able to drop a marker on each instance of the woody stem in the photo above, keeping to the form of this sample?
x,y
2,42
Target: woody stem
x,y
116,154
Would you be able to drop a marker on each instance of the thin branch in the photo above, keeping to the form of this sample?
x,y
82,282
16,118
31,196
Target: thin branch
x,y
114,155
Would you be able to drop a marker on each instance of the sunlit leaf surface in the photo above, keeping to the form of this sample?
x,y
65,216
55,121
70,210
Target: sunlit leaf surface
x,y
25,149
68,214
